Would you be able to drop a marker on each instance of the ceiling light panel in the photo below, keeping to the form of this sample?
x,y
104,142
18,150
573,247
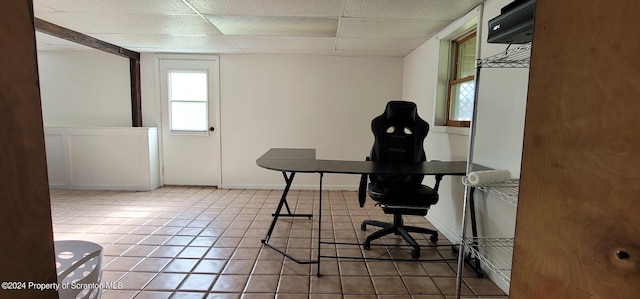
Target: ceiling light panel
x,y
381,44
281,26
389,28
284,42
300,8
89,23
409,9
165,42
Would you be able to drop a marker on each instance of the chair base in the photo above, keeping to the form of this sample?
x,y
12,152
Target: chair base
x,y
398,228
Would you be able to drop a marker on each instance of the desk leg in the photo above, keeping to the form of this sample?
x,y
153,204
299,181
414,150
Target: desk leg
x,y
319,225
462,260
474,261
283,202
470,259
461,248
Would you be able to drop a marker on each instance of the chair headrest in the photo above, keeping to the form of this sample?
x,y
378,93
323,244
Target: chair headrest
x,y
401,112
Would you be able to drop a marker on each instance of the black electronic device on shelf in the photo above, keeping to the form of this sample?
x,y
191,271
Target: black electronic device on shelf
x,y
514,25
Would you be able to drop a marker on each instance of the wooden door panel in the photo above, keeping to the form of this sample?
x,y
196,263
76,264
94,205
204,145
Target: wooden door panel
x,y
26,238
578,222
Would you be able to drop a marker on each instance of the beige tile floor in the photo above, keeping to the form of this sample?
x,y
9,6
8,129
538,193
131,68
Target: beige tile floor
x,y
201,242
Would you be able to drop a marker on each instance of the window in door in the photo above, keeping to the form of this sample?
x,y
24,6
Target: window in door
x,y
188,101
462,83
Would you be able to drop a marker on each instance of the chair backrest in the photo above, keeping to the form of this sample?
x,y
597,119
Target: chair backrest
x,y
399,135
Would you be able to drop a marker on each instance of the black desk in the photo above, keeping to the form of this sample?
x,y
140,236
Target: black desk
x,y
291,161
304,160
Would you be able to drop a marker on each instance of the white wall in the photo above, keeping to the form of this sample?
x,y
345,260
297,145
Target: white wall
x,y
321,102
84,89
92,89
102,158
499,133
149,92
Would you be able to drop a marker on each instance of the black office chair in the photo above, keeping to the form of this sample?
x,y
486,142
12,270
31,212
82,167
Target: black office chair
x,y
399,135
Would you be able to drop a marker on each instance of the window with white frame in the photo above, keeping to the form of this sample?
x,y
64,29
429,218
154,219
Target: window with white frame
x,y
461,93
457,51
188,100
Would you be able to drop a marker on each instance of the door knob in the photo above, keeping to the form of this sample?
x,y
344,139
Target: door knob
x,y
212,129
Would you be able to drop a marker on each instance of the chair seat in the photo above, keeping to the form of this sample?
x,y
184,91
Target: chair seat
x,y
404,210
416,197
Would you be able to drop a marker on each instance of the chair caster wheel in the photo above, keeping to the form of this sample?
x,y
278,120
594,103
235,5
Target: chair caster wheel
x,y
366,246
415,253
363,227
434,238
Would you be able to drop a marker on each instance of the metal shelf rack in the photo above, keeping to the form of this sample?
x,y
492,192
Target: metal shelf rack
x,y
494,253
511,58
507,191
498,260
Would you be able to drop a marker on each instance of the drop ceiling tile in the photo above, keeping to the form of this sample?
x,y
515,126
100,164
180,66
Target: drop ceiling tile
x,y
409,9
117,6
190,43
91,23
389,28
284,42
379,44
301,8
282,26
256,26
38,8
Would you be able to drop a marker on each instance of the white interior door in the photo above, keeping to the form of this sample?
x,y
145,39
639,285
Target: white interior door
x,y
190,99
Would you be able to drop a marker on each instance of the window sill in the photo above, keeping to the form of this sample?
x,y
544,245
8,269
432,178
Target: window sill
x,y
450,130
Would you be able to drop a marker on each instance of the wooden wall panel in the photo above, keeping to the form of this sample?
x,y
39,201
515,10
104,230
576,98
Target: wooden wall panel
x,y
26,238
578,222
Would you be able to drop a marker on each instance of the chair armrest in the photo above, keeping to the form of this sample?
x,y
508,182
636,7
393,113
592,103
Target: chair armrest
x,y
362,188
438,179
